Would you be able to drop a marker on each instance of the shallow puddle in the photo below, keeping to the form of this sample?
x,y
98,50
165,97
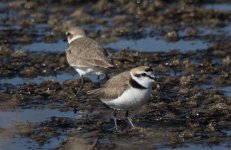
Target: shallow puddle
x,y
16,142
157,45
21,116
147,44
13,141
220,31
10,140
227,29
220,7
39,79
61,77
198,147
58,46
226,90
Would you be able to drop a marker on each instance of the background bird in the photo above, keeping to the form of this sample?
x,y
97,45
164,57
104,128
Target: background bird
x,y
86,55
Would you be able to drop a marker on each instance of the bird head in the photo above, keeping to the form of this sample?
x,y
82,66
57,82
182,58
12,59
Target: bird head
x,y
74,33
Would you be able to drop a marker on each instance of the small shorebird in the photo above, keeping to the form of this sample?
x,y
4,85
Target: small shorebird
x,y
85,55
127,90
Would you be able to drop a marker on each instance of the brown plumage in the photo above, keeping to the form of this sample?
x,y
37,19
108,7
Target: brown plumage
x,y
85,55
114,87
127,90
85,52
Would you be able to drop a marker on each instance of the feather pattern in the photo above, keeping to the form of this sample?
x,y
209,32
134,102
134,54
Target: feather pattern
x,y
113,89
85,52
127,90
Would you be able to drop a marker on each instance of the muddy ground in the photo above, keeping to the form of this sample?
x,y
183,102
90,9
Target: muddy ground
x,y
191,101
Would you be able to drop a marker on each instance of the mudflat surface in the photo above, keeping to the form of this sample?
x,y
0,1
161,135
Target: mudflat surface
x,y
186,42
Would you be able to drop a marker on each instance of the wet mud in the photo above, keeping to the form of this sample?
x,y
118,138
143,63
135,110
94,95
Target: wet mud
x,y
191,99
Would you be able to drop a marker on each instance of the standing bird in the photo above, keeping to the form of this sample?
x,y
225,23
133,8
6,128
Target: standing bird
x,y
127,90
85,55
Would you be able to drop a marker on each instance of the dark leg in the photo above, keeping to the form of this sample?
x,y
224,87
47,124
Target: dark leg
x,y
80,88
81,84
114,117
75,110
129,119
106,77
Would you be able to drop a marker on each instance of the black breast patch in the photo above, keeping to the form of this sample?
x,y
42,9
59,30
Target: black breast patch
x,y
135,84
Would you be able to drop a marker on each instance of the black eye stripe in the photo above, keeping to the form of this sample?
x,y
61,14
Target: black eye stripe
x,y
137,75
141,75
144,75
68,33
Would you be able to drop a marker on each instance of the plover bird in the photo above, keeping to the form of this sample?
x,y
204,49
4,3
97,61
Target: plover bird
x,y
85,55
127,90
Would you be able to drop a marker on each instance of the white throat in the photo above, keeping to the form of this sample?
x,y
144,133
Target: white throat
x,y
74,38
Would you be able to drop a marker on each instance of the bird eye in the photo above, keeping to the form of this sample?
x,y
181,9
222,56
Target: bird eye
x,y
68,34
143,74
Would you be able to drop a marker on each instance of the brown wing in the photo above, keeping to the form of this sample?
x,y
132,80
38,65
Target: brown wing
x,y
89,52
113,87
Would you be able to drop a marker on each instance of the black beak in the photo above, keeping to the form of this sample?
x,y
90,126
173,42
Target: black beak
x,y
153,78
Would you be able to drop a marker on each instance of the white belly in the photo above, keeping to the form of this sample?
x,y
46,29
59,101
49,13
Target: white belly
x,y
86,70
130,99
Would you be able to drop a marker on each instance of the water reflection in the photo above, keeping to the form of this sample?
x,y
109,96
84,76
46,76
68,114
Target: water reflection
x,y
220,7
9,119
39,79
154,45
146,44
58,46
